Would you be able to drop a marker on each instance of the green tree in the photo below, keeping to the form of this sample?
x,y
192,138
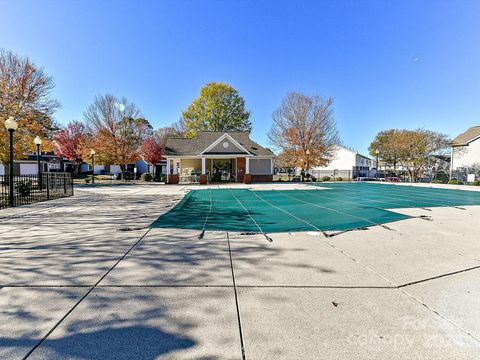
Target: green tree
x,y
415,150
388,144
218,108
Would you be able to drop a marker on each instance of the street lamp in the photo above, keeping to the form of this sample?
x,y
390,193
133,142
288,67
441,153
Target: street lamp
x,y
37,141
11,126
307,161
378,170
92,155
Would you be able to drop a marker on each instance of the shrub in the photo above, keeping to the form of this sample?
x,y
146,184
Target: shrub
x,y
455,182
476,183
160,177
88,179
24,187
339,179
326,178
146,177
437,181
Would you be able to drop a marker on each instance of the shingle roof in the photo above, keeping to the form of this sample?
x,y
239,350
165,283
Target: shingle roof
x,y
194,146
464,138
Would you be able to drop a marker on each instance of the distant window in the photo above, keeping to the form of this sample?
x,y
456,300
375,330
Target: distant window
x,y
226,144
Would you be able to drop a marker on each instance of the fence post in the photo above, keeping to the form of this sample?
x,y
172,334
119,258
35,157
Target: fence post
x,y
64,183
71,179
48,187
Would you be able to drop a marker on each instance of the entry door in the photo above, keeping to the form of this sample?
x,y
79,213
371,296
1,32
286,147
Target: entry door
x,y
240,169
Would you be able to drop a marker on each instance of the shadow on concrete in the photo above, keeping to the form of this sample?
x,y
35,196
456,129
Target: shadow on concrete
x,y
135,342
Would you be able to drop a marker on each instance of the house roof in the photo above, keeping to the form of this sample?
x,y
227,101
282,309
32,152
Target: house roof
x,y
353,151
468,136
181,146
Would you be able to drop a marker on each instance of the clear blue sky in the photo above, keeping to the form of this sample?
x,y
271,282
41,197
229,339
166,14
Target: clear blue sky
x,y
387,63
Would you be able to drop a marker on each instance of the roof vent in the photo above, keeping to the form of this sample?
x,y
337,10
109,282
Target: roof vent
x,y
254,148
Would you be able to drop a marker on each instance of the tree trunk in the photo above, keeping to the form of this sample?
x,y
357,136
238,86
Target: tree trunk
x,y
122,170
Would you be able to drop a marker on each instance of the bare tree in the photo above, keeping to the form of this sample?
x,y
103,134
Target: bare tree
x,y
116,130
164,133
304,130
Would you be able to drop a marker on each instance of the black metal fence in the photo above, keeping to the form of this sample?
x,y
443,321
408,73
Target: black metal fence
x,y
347,175
28,189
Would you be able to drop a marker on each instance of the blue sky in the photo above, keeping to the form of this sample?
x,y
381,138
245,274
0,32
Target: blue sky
x,y
403,64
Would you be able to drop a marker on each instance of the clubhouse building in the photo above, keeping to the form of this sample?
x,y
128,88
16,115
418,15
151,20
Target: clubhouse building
x,y
214,156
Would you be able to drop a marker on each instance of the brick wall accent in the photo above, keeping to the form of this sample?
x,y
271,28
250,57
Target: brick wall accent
x,y
262,178
240,169
173,179
203,179
247,179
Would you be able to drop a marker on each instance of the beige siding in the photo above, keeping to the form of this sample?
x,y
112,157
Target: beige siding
x,y
228,150
189,165
260,166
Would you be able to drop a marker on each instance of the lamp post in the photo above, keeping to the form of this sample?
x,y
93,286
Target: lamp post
x,y
37,141
11,126
378,167
92,155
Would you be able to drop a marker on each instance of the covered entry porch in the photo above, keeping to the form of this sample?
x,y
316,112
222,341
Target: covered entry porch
x,y
217,169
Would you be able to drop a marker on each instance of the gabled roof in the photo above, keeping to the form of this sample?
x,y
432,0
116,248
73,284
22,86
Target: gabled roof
x,y
468,136
180,146
353,151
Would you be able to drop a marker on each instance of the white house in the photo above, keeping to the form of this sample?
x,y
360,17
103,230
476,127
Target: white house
x,y
465,149
346,163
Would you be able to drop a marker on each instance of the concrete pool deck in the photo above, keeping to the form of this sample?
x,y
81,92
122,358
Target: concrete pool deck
x,y
72,286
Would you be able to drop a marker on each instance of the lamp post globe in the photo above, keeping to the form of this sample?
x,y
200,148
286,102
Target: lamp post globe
x,y
11,125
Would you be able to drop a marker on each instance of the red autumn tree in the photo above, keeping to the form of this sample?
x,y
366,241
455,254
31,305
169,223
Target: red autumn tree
x,y
151,150
69,142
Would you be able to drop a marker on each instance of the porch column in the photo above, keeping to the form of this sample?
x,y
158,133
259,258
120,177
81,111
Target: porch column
x,y
168,166
203,176
271,166
247,178
175,169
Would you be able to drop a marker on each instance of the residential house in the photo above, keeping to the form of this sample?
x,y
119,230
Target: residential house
x,y
346,163
213,156
465,149
48,163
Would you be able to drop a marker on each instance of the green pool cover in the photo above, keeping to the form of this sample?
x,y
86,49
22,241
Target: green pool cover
x,y
342,206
